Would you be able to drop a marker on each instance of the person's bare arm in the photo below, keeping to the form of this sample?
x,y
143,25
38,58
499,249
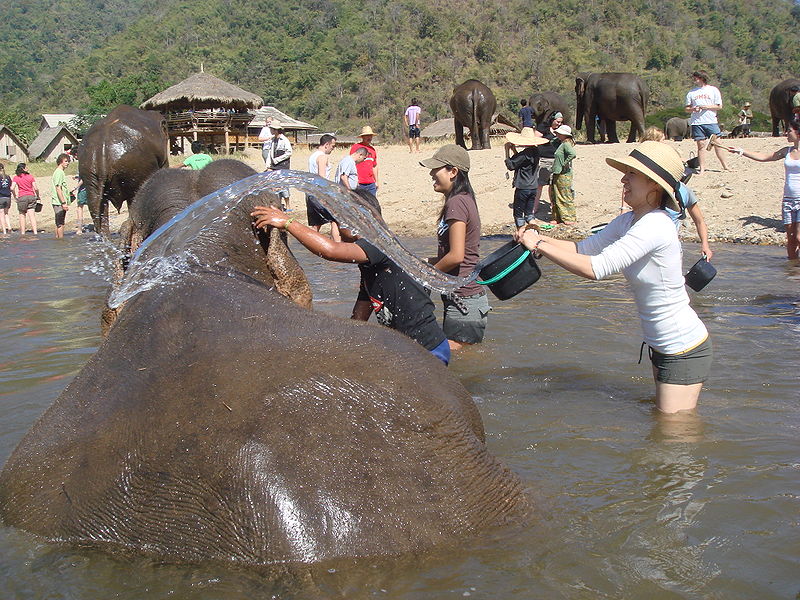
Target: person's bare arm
x,y
564,254
760,156
702,229
362,309
313,240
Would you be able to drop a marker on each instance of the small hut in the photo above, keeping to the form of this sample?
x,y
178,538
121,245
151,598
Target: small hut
x,y
11,147
207,109
51,142
300,129
55,119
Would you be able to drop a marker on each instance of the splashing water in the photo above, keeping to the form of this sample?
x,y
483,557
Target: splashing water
x,y
167,254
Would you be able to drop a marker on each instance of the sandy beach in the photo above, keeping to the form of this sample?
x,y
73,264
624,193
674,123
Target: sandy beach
x,y
741,205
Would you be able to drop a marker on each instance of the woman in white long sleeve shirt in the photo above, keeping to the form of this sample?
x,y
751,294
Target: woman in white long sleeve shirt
x,y
643,245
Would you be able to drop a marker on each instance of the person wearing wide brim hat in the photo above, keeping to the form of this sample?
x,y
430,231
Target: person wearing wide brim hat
x,y
562,196
643,245
368,178
524,163
458,231
745,119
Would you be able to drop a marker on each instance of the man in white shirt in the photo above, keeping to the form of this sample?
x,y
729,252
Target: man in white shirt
x,y
702,103
346,173
276,152
411,120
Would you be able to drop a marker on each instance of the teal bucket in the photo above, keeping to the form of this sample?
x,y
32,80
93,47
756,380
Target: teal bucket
x,y
509,270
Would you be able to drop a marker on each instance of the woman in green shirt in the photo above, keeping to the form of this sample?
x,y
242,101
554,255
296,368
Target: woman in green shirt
x,y
562,197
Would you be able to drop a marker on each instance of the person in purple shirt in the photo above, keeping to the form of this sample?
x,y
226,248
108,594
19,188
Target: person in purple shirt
x,y
411,120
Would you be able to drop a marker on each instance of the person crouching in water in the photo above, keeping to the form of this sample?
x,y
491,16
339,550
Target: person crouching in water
x,y
398,301
643,244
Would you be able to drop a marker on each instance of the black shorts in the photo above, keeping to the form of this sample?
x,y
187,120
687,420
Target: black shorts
x,y
317,214
61,215
692,366
413,131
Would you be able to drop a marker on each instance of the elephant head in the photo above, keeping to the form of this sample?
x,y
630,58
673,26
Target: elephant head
x,y
265,256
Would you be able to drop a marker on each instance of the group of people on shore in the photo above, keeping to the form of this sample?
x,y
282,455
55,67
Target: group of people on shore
x,y
23,189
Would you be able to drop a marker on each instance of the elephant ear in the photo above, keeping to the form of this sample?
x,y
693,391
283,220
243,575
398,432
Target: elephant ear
x,y
290,280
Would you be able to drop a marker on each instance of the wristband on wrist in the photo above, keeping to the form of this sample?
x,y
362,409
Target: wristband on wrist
x,y
536,252
288,222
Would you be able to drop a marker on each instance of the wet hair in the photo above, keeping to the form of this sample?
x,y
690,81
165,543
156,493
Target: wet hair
x,y
702,75
653,134
20,168
324,139
461,185
197,147
523,102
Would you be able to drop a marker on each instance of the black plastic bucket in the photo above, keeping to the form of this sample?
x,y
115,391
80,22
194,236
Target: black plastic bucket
x,y
509,270
700,274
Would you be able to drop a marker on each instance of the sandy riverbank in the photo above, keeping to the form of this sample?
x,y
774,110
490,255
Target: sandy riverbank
x,y
750,213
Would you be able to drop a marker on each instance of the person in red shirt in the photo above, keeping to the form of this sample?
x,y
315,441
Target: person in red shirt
x,y
368,168
24,188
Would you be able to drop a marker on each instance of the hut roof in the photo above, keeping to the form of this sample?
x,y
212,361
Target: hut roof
x,y
46,136
202,90
260,119
440,128
6,130
55,119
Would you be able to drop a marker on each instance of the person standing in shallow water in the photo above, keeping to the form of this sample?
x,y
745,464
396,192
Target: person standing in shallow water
x,y
60,194
643,245
5,199
459,235
24,188
790,206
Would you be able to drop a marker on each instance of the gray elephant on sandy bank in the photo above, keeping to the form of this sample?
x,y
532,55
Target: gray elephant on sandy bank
x,y
544,104
117,155
677,128
780,104
473,105
612,97
222,421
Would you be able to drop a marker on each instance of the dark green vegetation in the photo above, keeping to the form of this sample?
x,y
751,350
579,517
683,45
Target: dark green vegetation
x,y
339,63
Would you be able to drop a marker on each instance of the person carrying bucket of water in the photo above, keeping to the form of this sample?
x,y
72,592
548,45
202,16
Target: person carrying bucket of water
x,y
398,301
643,245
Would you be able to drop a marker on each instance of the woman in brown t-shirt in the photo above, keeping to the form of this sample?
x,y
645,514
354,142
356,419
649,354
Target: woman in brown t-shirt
x,y
459,233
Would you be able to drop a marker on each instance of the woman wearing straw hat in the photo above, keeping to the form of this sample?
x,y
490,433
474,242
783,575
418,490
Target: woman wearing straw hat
x,y
643,245
459,236
562,197
525,164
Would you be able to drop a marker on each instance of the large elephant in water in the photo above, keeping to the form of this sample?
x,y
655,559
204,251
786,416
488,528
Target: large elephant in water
x,y
221,421
473,105
780,104
612,97
117,155
545,104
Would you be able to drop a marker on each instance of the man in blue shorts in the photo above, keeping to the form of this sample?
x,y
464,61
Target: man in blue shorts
x,y
702,103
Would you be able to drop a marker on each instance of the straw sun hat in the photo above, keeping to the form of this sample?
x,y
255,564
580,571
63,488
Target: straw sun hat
x,y
526,138
366,130
659,162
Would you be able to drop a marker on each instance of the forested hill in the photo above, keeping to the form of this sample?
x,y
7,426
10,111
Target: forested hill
x,y
338,63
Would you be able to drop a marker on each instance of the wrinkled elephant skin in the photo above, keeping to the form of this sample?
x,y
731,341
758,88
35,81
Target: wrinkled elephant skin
x,y
219,420
612,97
117,155
780,104
473,105
544,104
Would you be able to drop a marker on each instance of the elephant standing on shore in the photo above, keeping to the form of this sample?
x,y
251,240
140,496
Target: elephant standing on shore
x,y
780,104
223,421
473,105
545,104
612,97
677,128
117,155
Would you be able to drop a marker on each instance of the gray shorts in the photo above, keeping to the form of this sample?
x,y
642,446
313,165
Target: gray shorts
x,y
26,203
466,328
790,210
686,368
544,171
60,214
5,202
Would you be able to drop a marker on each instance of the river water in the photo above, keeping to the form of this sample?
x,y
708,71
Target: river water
x,y
628,504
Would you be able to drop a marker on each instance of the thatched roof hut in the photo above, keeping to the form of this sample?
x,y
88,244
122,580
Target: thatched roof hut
x,y
446,128
203,91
